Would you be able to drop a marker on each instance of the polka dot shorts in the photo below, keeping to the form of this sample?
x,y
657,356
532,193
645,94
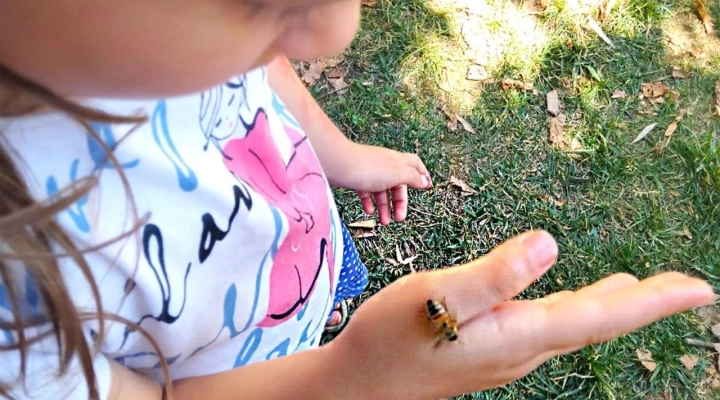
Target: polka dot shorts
x,y
353,273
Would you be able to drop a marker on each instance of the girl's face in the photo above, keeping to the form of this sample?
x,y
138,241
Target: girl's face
x,y
159,48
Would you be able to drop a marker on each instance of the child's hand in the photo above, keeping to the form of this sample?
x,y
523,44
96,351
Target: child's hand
x,y
380,176
389,348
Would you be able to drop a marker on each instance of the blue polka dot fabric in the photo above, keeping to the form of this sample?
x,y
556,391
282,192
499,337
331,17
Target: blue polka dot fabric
x,y
353,273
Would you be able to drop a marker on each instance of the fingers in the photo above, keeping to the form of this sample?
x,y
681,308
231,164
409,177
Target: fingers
x,y
500,275
414,161
594,316
367,202
383,206
555,297
400,202
608,285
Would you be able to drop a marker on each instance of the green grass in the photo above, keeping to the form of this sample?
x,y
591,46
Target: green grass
x,y
624,209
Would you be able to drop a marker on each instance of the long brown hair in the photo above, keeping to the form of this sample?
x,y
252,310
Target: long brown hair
x,y
31,238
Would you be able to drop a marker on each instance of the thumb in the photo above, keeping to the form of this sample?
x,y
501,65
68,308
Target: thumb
x,y
500,275
410,176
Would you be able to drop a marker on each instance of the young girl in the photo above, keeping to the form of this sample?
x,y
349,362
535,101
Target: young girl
x,y
167,225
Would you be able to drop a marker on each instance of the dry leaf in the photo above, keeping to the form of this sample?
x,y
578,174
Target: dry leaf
x,y
553,103
686,232
465,189
361,234
336,78
557,137
401,260
466,125
670,130
605,9
316,68
717,98
477,73
452,121
659,100
644,133
339,85
369,3
409,260
705,17
645,358
716,330
654,90
689,361
515,84
598,31
665,140
367,224
619,94
677,72
312,74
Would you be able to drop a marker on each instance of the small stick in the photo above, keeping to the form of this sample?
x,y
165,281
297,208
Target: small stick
x,y
700,343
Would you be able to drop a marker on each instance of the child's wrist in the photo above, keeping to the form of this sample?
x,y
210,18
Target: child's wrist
x,y
348,380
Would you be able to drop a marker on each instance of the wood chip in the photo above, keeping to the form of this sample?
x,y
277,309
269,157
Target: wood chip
x,y
553,103
465,189
619,94
369,3
362,234
644,133
477,72
392,262
674,193
646,360
689,361
701,343
366,224
716,330
677,72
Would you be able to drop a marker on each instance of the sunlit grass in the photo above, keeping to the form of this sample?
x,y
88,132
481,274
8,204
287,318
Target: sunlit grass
x,y
614,207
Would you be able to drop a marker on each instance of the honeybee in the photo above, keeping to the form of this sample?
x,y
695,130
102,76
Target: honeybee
x,y
443,322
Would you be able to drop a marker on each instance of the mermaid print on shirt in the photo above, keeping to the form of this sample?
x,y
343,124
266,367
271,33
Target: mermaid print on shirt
x,y
299,190
296,187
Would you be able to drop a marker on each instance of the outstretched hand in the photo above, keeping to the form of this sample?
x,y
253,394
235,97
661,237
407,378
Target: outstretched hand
x,y
500,340
381,176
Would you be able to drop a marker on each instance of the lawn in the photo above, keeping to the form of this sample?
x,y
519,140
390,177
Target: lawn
x,y
613,205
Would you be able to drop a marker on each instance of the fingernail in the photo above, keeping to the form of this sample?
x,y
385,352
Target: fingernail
x,y
542,246
424,181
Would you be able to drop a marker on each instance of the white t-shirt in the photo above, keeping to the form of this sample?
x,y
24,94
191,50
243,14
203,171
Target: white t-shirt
x,y
241,253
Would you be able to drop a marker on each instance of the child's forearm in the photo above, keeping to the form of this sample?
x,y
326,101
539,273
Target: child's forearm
x,y
329,142
311,374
